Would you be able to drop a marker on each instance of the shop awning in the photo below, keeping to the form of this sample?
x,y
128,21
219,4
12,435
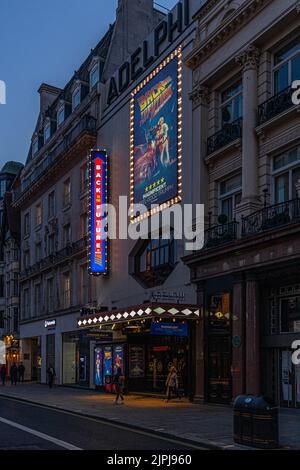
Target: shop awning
x,y
151,310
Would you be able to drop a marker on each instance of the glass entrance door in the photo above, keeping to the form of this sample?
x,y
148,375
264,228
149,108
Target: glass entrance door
x,y
219,369
290,381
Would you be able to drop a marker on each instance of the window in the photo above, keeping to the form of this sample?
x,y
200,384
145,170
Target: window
x,y
51,244
60,115
155,261
37,299
287,66
67,193
2,319
15,287
94,76
66,234
76,98
38,215
50,295
8,289
232,103
66,290
51,204
47,131
230,195
26,224
35,146
3,186
84,178
85,286
84,225
26,259
38,252
286,176
26,303
1,285
290,315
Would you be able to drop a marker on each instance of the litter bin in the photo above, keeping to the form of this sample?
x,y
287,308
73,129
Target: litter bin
x,y
256,422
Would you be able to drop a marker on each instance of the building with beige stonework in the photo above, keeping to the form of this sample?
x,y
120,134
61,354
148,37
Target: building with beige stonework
x,y
246,146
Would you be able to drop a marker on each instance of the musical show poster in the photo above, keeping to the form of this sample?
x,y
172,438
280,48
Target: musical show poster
x,y
155,148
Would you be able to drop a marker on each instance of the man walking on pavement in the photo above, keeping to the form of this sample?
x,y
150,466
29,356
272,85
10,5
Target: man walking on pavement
x,y
14,374
21,372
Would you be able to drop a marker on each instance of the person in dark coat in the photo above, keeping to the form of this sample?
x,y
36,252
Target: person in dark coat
x,y
119,384
21,372
3,374
14,374
51,375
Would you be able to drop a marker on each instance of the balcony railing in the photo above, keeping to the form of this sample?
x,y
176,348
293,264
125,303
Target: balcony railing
x,y
271,217
86,124
56,258
220,234
229,133
273,106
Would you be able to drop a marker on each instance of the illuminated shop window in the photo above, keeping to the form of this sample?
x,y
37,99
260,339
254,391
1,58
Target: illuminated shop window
x,y
286,66
219,314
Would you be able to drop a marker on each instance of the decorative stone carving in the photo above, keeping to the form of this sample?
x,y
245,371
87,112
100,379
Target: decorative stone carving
x,y
199,96
249,58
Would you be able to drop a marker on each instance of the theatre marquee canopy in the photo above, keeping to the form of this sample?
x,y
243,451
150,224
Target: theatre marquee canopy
x,y
143,311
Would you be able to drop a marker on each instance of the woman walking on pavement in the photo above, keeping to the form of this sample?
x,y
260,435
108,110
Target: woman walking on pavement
x,y
119,384
51,375
172,383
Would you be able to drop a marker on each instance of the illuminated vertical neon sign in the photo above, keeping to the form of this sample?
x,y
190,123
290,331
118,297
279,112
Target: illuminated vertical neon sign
x,y
98,201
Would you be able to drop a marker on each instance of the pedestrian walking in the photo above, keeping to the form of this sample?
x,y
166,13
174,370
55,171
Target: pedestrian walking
x,y
119,380
21,372
3,374
51,375
14,374
172,383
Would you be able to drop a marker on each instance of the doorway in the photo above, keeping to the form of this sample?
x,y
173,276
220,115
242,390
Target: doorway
x,y
289,381
219,369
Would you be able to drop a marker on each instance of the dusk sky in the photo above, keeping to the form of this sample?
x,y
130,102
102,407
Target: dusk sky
x,y
43,41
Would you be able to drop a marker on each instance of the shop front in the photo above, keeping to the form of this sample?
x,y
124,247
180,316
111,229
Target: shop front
x,y
145,343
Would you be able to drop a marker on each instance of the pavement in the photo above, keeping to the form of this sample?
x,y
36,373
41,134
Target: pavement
x,y
207,425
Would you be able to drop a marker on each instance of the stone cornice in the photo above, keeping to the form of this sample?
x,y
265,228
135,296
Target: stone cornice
x,y
242,16
205,9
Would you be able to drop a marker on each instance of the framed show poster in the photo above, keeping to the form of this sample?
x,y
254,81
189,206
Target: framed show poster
x,y
98,365
136,361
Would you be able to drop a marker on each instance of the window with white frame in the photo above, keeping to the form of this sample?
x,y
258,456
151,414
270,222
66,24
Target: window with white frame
x,y
47,131
94,76
76,98
230,195
286,66
232,103
286,175
60,117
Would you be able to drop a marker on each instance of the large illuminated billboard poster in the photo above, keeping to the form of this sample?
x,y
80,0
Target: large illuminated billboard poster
x,y
156,119
98,201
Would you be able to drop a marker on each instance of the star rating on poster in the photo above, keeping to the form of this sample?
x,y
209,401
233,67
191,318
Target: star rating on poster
x,y
155,184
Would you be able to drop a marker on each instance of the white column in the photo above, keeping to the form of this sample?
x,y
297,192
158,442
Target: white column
x,y
200,99
249,59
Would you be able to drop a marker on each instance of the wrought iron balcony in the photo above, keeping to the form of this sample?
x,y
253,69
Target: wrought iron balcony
x,y
271,217
220,234
86,124
229,133
275,105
